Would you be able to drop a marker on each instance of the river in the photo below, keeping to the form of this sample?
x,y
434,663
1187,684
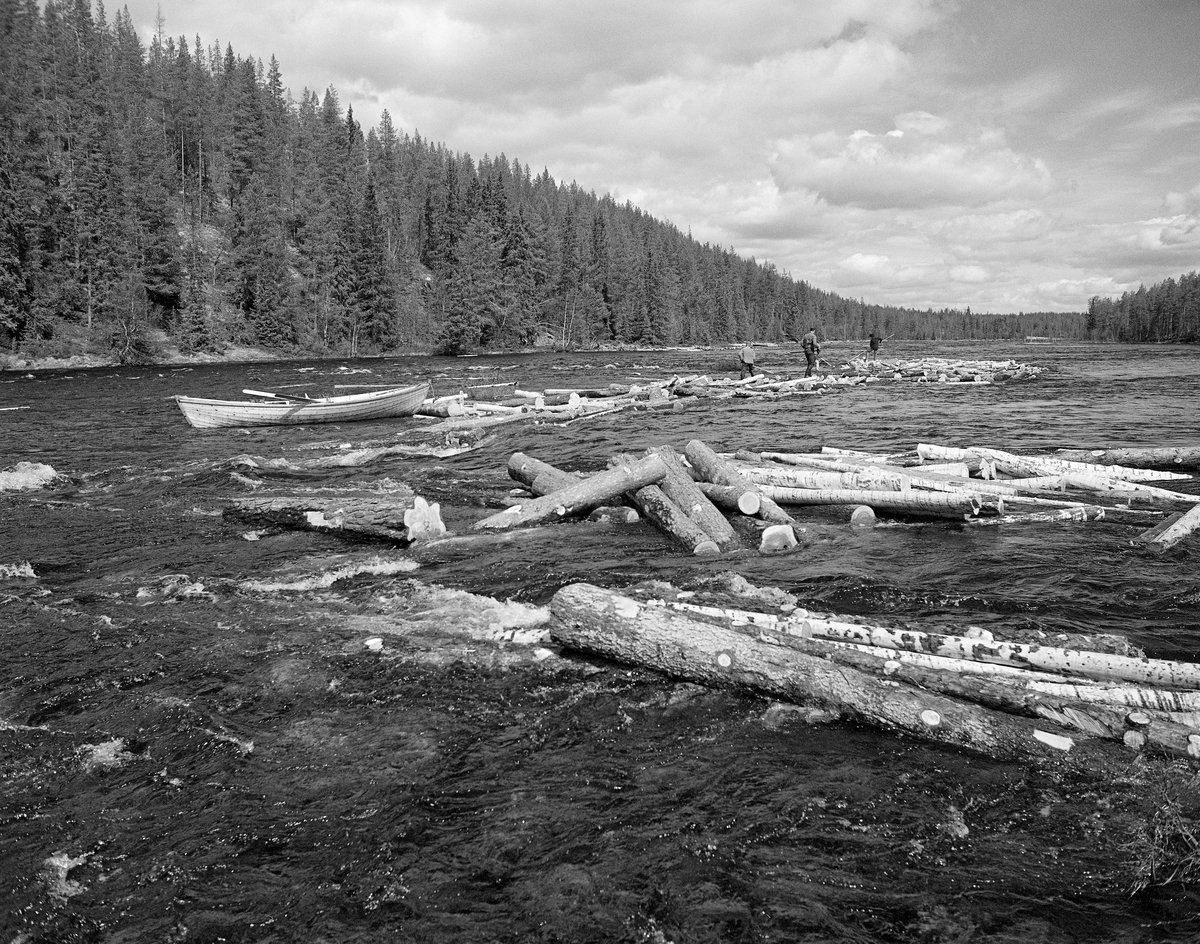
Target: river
x,y
199,745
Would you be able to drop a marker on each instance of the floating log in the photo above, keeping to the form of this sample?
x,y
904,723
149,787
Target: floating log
x,y
683,491
442,406
579,496
712,468
1135,489
362,514
1097,665
1104,720
526,470
731,497
1174,529
897,458
1084,513
958,505
777,537
1167,457
618,627
492,391
669,517
870,478
1026,466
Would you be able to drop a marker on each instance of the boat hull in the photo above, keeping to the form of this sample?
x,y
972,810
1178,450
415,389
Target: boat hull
x,y
380,404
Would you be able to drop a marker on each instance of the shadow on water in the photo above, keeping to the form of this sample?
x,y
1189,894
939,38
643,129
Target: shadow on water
x,y
198,746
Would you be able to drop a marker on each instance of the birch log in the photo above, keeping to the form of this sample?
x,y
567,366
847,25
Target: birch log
x,y
959,505
731,497
591,619
580,496
1026,466
1169,457
1097,665
1002,693
712,468
868,478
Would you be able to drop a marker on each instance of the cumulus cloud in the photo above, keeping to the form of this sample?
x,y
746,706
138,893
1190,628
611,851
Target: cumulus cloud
x,y
924,162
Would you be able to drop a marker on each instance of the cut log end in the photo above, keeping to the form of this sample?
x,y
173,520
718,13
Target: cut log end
x,y
749,503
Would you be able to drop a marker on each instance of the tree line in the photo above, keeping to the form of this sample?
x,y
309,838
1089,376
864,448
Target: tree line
x,y
178,195
1167,311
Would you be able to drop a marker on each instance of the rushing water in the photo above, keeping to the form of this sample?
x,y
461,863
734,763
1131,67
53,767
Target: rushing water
x,y
199,746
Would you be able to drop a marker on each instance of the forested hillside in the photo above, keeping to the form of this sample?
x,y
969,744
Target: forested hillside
x,y
179,196
1168,311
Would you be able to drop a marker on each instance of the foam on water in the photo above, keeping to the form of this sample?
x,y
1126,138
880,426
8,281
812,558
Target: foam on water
x,y
19,571
27,476
375,566
106,755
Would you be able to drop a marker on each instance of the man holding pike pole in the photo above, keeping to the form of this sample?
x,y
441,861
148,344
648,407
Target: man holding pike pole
x,y
811,349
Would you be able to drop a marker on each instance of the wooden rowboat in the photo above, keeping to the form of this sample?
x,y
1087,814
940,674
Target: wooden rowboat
x,y
286,410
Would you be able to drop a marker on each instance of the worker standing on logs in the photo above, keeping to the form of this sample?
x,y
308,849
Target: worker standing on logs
x,y
811,349
873,342
746,360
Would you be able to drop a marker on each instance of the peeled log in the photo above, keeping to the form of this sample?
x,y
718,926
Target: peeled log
x,y
731,497
526,469
672,519
940,504
684,492
442,407
594,620
713,468
580,496
1170,457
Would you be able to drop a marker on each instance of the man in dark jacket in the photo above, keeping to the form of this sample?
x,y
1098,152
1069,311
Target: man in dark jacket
x,y
811,349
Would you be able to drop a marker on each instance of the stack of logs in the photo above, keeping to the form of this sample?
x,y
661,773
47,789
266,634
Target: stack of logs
x,y
504,402
689,496
942,370
684,500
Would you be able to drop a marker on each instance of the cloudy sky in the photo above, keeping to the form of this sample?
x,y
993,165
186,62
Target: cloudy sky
x,y
1007,155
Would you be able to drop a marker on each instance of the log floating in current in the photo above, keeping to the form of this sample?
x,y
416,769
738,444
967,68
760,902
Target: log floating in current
x,y
579,496
1098,665
618,627
1173,530
959,505
655,505
731,497
1166,457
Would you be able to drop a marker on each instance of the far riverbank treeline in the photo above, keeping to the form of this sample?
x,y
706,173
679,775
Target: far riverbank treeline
x,y
178,197
1167,311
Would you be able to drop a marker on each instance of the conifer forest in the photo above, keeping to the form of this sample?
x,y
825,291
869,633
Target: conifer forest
x,y
178,197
